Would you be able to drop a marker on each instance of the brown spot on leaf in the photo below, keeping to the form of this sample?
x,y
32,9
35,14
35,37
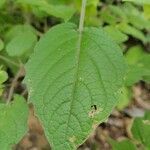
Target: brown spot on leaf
x,y
72,139
94,111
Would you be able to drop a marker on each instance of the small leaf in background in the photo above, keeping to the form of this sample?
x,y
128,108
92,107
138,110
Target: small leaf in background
x,y
134,32
122,145
60,11
135,16
13,122
147,11
3,76
16,30
141,130
134,54
118,12
21,40
91,13
116,34
2,2
71,84
21,44
138,1
135,74
145,63
124,98
139,68
107,17
1,45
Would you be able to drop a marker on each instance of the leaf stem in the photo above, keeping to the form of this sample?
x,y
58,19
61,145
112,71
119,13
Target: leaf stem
x,y
81,26
9,61
20,73
82,16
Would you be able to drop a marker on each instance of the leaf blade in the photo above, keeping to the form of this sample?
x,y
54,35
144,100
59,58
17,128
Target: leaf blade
x,y
72,83
13,125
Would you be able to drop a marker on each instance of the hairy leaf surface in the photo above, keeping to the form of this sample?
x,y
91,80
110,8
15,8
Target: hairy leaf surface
x,y
73,82
13,122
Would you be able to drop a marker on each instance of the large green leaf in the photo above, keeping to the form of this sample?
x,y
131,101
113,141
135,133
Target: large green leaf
x,y
13,122
73,84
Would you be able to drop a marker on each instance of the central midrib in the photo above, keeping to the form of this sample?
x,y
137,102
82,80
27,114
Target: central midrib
x,y
77,62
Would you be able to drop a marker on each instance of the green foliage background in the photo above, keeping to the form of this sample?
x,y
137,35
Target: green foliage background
x,y
127,22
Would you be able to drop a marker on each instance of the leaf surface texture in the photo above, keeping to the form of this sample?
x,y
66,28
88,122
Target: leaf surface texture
x,y
13,122
73,84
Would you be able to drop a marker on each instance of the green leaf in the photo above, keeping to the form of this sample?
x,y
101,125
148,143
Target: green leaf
x,y
136,73
116,34
1,45
138,1
117,11
122,145
13,122
139,68
130,30
3,76
124,98
141,130
2,2
147,11
106,16
59,2
60,11
134,54
17,30
135,16
144,62
20,42
74,85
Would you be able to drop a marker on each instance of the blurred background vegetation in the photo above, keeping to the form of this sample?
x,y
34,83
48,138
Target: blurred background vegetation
x,y
23,22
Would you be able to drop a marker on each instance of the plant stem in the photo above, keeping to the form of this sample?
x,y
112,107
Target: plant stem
x,y
9,61
20,73
82,16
